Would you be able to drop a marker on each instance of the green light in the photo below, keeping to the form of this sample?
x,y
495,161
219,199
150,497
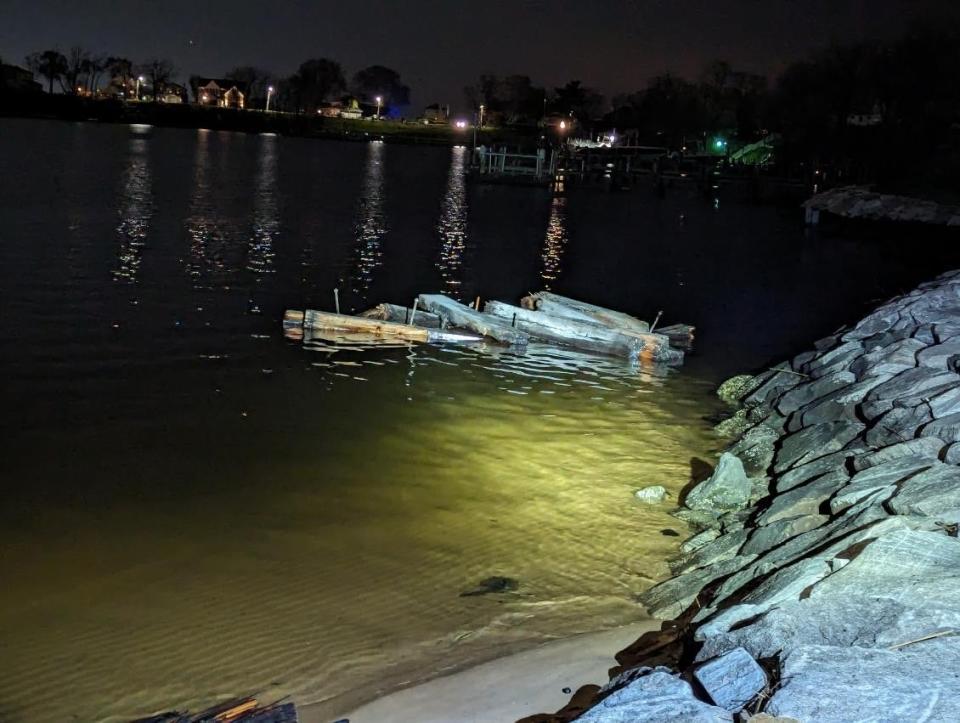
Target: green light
x,y
719,143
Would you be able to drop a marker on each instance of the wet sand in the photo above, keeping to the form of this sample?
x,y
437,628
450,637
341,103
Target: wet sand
x,y
504,689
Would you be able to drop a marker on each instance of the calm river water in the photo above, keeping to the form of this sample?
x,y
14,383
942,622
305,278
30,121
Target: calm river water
x,y
194,507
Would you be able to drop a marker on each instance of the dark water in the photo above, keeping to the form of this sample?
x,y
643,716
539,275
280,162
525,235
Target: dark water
x,y
194,507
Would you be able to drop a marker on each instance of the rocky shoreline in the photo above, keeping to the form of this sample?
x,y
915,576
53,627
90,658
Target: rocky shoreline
x,y
822,583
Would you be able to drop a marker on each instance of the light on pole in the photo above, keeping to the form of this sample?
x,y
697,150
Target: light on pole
x,y
481,116
140,80
269,93
379,100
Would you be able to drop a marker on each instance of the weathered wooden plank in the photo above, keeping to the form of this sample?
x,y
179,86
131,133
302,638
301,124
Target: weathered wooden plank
x,y
456,314
586,335
551,303
375,328
401,315
680,335
648,347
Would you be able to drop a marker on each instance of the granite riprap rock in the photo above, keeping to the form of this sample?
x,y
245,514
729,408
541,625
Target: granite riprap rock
x,y
879,477
939,355
814,442
946,428
728,488
736,388
768,536
671,597
879,321
732,680
893,359
928,447
935,493
837,358
809,391
772,384
805,499
899,424
699,540
734,426
946,402
651,495
722,548
786,585
655,695
832,684
907,389
840,404
807,471
755,449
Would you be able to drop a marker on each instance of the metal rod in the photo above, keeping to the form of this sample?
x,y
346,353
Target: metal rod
x,y
336,300
413,313
654,324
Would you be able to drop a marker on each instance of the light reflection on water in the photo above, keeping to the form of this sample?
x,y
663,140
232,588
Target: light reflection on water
x,y
266,212
370,225
135,206
555,242
452,226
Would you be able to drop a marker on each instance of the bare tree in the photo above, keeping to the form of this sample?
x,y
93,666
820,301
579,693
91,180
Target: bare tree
x,y
93,68
159,73
77,59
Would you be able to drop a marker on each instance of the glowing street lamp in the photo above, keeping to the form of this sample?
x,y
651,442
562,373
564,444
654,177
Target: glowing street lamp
x,y
269,93
140,80
481,116
379,100
563,125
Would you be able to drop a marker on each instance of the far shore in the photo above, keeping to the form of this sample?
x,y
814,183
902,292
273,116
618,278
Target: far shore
x,y
187,115
503,689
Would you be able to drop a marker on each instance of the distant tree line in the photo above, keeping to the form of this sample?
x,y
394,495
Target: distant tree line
x,y
316,82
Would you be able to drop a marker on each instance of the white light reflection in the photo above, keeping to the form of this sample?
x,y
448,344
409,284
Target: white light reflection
x,y
266,216
370,224
555,242
135,211
452,226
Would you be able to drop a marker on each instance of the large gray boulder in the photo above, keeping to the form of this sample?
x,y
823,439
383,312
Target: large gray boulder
x,y
837,684
728,488
655,695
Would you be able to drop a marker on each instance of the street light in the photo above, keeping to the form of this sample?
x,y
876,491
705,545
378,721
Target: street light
x,y
269,93
140,80
481,116
379,100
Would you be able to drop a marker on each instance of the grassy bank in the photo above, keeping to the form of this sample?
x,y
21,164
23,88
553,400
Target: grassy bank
x,y
71,108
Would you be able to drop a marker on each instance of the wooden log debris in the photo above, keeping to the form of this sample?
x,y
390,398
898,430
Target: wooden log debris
x,y
455,314
551,303
680,335
585,335
401,315
357,326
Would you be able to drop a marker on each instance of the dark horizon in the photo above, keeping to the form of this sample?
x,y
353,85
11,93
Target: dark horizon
x,y
438,49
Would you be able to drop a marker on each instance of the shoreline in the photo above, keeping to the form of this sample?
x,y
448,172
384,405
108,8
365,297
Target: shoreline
x,y
505,688
819,585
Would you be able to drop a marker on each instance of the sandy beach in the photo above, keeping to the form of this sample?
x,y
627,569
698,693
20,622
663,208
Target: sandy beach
x,y
504,689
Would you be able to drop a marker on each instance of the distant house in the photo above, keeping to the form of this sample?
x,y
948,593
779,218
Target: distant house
x,y
173,93
345,108
436,113
15,78
220,92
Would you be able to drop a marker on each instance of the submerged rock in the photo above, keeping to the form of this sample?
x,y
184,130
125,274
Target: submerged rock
x,y
728,488
492,585
736,388
651,495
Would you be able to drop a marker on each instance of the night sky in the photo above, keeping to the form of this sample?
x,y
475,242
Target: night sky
x,y
441,46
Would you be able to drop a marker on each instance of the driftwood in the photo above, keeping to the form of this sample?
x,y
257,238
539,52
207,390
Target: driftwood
x,y
562,306
357,327
680,335
589,336
401,315
456,314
